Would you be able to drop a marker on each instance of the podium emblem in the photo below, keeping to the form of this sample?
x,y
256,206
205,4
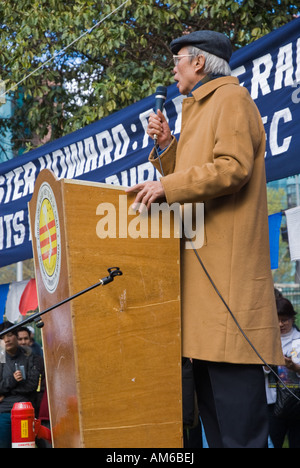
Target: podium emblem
x,y
47,232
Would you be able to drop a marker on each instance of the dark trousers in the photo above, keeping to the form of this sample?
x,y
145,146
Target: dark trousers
x,y
280,428
5,430
232,404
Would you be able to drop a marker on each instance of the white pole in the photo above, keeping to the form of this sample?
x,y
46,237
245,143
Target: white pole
x,y
20,271
297,190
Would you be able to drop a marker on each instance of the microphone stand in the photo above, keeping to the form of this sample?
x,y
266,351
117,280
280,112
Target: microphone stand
x,y
114,271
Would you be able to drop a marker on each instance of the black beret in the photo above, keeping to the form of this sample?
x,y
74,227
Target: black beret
x,y
210,41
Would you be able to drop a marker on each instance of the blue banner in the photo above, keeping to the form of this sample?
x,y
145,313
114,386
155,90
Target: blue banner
x,y
115,149
270,69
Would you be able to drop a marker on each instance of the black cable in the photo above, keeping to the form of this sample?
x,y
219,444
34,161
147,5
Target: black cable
x,y
158,156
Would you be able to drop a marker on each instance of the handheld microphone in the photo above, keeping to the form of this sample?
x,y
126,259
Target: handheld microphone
x,y
160,97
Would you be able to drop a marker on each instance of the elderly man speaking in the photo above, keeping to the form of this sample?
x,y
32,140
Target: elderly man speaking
x,y
219,161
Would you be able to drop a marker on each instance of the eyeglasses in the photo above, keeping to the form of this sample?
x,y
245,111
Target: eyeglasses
x,y
284,319
176,58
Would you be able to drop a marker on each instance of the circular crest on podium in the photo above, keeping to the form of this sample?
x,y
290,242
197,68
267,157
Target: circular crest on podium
x,y
47,232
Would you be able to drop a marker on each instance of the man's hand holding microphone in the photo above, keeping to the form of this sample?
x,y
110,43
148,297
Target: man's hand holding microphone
x,y
158,129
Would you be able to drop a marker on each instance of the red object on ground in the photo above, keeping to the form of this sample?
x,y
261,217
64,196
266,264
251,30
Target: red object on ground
x,y
22,426
25,428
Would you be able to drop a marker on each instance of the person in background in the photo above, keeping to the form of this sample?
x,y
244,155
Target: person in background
x,y
37,349
19,379
24,340
41,402
24,336
281,427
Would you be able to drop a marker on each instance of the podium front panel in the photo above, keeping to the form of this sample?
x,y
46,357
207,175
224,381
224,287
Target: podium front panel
x,y
113,355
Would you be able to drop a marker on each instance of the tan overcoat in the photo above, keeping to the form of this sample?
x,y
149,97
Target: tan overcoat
x,y
219,160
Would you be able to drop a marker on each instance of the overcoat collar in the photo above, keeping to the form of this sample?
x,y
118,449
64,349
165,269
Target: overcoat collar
x,y
208,87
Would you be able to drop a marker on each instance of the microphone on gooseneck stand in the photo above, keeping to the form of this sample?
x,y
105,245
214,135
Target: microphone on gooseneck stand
x,y
160,97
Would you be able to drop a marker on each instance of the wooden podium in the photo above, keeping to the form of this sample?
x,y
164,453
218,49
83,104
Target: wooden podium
x,y
112,355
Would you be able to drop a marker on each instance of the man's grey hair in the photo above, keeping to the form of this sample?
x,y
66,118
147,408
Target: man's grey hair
x,y
213,64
